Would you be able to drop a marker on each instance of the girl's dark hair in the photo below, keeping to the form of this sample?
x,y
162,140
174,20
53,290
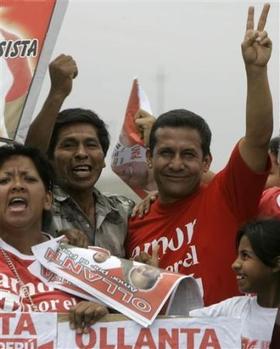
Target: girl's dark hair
x,y
264,237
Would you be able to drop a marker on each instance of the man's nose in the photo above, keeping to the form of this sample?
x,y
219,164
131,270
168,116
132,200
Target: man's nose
x,y
177,163
81,152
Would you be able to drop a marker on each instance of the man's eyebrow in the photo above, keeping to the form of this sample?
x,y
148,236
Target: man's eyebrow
x,y
74,139
11,172
61,140
189,148
92,138
165,147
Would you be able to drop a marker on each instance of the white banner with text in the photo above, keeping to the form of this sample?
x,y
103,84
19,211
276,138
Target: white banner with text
x,y
43,331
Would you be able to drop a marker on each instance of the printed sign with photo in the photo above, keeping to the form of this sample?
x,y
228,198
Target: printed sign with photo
x,y
137,290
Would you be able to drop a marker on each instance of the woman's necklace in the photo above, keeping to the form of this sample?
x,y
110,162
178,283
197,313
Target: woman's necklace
x,y
24,288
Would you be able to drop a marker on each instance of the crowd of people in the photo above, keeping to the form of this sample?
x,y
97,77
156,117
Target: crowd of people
x,y
192,227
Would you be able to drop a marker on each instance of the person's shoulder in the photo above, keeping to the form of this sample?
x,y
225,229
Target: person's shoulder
x,y
121,200
60,199
239,301
269,205
271,191
234,306
59,194
115,200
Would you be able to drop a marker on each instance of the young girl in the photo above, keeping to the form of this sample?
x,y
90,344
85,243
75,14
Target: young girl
x,y
257,269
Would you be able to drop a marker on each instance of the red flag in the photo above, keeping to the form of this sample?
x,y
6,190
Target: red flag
x,y
28,31
129,155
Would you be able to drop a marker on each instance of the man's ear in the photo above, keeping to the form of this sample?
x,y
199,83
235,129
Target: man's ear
x,y
276,267
207,160
149,158
51,161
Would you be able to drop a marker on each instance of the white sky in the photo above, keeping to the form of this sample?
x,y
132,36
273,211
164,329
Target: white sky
x,y
192,46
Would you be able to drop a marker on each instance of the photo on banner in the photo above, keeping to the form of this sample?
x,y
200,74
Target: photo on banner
x,y
28,31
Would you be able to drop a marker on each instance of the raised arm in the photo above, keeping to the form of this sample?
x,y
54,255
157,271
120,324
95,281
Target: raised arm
x,y
256,50
62,72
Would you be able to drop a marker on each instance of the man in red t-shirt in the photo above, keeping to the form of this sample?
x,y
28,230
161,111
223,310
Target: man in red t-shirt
x,y
195,225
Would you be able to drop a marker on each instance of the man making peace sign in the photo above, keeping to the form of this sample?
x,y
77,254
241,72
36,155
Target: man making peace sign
x,y
195,225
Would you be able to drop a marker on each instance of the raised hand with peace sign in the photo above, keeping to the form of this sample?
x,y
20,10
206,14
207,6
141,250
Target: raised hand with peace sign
x,y
256,50
256,47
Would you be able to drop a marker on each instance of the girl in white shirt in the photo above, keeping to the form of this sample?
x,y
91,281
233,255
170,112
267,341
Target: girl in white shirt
x,y
257,269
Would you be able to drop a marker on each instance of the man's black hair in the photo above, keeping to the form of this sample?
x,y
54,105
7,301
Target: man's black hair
x,y
180,118
78,115
274,145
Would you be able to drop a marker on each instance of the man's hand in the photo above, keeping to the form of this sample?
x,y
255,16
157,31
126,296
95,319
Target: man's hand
x,y
143,207
256,47
146,258
75,237
85,314
62,72
144,122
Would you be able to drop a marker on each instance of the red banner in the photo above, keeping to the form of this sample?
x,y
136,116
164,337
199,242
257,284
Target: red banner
x,y
27,35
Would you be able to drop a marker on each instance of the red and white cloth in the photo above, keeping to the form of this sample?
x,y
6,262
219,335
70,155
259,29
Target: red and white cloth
x,y
270,203
256,322
45,297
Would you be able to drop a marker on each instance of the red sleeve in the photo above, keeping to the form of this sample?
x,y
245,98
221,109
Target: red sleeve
x,y
241,186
